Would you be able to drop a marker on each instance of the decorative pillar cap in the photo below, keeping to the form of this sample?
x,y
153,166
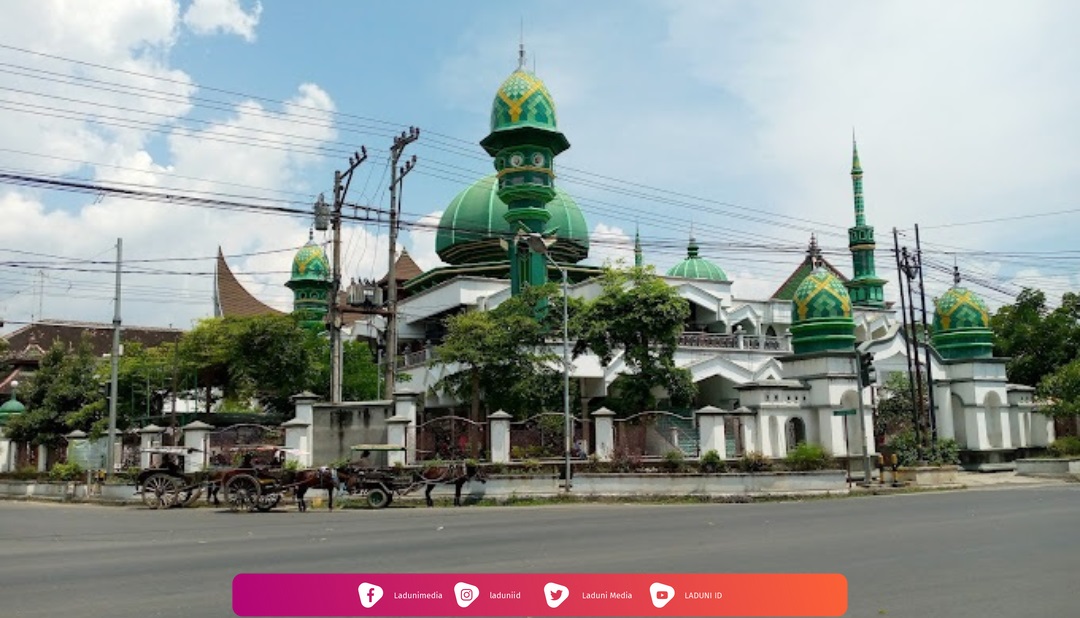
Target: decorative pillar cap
x,y
197,425
707,410
500,415
603,412
399,420
295,423
78,434
152,429
305,396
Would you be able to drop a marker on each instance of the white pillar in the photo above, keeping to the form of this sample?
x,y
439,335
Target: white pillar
x,y
1042,430
405,406
750,433
151,436
499,432
195,434
7,453
305,416
711,430
296,432
605,434
395,432
943,412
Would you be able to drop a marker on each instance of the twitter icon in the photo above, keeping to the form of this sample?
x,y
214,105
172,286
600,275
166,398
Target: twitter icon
x,y
555,594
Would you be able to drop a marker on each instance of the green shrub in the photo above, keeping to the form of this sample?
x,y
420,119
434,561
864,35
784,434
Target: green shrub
x,y
1068,446
754,462
291,465
910,453
26,473
712,462
809,457
66,472
674,461
623,460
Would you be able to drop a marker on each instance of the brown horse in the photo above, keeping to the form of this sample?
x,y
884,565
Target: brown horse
x,y
330,479
456,474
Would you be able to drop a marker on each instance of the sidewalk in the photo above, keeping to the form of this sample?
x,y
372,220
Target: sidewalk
x,y
978,480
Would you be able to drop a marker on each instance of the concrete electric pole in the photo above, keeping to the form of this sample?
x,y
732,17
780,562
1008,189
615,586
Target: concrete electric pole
x,y
342,180
396,176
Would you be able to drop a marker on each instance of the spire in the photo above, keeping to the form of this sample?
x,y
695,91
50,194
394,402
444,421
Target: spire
x,y
955,274
521,47
813,252
692,248
637,246
856,179
311,234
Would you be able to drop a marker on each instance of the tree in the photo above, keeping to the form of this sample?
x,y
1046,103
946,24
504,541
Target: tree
x,y
62,395
640,315
1036,340
505,363
895,407
1061,391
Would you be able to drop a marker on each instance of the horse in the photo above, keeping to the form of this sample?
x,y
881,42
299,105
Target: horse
x,y
456,474
330,479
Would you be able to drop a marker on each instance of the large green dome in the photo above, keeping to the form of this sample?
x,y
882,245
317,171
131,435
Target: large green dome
x,y
310,263
822,320
962,325
696,267
473,223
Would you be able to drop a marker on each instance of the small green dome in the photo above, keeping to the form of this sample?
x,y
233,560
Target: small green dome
x,y
822,321
471,226
523,104
821,295
960,308
696,267
310,263
962,326
12,407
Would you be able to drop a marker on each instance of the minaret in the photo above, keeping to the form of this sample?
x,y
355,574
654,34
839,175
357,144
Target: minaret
x,y
637,247
524,141
865,288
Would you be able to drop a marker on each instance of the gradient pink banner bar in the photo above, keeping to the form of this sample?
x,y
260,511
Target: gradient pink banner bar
x,y
530,594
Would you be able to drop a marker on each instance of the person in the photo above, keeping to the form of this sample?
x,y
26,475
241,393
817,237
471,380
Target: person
x,y
169,463
246,462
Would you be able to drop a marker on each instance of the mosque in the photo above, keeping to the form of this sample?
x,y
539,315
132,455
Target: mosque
x,y
778,370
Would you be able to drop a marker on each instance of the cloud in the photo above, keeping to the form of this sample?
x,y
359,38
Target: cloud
x,y
609,244
228,16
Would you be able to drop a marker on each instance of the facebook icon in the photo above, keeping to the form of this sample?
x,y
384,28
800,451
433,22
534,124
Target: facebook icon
x,y
369,594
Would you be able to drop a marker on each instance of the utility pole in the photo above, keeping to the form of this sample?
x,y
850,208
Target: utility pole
x,y
907,338
926,349
334,316
110,452
909,266
396,176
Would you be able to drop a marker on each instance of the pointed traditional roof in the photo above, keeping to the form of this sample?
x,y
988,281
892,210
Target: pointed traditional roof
x,y
230,296
405,268
786,291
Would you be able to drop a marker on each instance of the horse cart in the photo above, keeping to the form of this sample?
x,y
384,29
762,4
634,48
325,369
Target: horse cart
x,y
254,488
166,486
380,485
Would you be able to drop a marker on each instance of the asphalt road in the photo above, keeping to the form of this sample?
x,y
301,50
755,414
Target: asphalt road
x,y
1006,553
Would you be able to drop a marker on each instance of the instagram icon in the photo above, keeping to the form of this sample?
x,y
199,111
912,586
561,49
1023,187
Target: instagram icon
x,y
465,594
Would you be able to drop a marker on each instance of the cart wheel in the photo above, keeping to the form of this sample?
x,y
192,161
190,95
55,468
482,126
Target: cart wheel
x,y
378,498
160,491
267,502
242,493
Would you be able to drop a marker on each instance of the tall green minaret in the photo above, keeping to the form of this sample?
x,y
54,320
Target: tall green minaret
x,y
637,247
524,140
865,288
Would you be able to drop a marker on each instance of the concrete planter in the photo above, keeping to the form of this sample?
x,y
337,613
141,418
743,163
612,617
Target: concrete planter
x,y
1048,467
928,476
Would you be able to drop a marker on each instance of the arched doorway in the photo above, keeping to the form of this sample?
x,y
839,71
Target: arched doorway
x,y
795,430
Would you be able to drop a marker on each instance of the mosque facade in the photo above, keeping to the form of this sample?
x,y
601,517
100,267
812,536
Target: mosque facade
x,y
779,370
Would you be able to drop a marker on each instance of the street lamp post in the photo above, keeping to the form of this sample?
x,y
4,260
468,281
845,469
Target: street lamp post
x,y
538,244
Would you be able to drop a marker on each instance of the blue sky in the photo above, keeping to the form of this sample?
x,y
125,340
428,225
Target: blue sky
x,y
733,117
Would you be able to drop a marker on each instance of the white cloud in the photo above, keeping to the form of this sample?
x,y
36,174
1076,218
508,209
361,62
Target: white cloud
x,y
609,244
228,16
